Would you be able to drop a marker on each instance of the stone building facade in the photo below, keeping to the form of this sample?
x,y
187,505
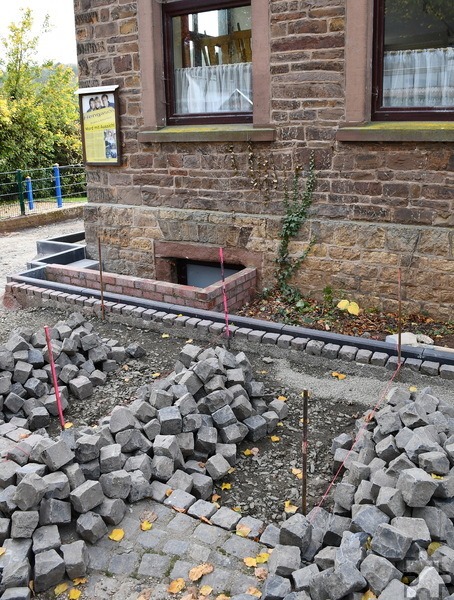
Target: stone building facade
x,y
384,195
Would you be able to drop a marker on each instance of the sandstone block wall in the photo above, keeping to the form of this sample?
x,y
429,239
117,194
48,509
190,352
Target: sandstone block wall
x,y
377,206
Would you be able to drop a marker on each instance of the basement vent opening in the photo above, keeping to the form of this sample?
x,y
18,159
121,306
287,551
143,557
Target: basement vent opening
x,y
202,274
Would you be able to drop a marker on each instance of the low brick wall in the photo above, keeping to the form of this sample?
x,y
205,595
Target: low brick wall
x,y
240,287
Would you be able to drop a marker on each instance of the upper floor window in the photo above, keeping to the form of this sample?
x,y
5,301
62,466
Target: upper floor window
x,y
208,61
413,60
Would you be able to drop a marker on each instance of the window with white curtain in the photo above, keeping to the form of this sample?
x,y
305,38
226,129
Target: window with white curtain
x,y
414,63
208,61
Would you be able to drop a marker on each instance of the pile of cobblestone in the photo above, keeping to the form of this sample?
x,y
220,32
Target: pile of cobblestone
x,y
179,434
391,532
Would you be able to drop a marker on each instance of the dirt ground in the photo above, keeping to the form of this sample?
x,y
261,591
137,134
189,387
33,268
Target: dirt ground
x,y
262,483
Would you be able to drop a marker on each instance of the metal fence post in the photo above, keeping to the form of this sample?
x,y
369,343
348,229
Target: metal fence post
x,y
57,180
29,191
20,191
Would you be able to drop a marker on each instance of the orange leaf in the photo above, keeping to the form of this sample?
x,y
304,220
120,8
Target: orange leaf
x,y
80,580
243,530
205,590
215,497
169,492
250,561
282,398
222,597
197,572
205,520
275,438
176,586
236,508
252,591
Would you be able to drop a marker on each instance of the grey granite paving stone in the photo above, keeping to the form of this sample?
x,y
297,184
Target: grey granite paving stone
x,y
209,535
124,564
175,547
155,565
152,539
241,547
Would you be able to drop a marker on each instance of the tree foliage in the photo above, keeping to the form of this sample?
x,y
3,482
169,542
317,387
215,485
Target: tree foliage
x,y
39,117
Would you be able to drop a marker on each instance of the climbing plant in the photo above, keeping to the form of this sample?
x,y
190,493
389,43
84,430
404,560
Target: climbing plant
x,y
297,201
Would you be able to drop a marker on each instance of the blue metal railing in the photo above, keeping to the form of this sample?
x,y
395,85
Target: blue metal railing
x,y
29,191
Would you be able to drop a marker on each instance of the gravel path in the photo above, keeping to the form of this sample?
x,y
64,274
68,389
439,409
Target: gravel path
x,y
18,247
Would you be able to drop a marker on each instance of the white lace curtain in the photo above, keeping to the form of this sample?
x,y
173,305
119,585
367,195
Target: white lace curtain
x,y
419,77
213,89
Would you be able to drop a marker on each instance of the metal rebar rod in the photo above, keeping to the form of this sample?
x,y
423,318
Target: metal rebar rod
x,y
101,283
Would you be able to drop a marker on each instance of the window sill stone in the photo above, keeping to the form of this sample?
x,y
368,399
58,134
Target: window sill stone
x,y
398,131
209,133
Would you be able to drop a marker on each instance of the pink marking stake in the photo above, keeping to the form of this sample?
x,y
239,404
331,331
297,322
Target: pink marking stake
x,y
54,377
224,295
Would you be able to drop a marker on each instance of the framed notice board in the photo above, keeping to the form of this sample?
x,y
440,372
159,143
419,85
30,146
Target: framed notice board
x,y
100,125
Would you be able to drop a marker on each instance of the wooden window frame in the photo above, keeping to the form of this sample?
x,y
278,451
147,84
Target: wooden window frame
x,y
378,111
169,11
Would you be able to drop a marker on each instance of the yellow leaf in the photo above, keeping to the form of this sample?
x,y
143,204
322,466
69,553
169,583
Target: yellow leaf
x,y
432,547
353,308
215,497
60,589
197,572
369,595
146,525
343,305
205,590
236,508
261,573
216,504
79,580
262,372
250,561
2,551
290,508
262,558
31,585
165,336
169,492
74,594
338,375
176,586
298,473
252,591
156,375
434,476
412,388
243,530
222,597
280,424
231,470
226,486
180,315
69,425
189,341
282,398
247,452
117,535
275,438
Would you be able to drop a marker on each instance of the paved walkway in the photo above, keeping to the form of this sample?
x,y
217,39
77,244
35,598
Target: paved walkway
x,y
143,563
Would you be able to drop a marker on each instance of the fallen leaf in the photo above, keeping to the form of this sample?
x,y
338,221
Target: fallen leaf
x,y
156,375
339,376
79,580
251,452
188,597
26,435
290,508
435,476
69,425
146,594
226,486
222,597
197,572
412,388
74,594
298,473
125,368
2,551
165,336
282,398
205,520
169,492
189,341
176,586
369,595
146,525
117,535
243,530
353,308
280,424
432,547
261,573
31,585
262,558
179,509
215,497
275,438
343,305
250,561
205,590
180,315
231,470
262,372
252,591
236,508
149,515
60,589
216,504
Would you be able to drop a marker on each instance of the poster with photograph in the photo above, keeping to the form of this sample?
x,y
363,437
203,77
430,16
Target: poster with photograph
x,y
99,122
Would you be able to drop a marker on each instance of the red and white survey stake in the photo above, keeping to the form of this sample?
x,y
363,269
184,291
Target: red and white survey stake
x,y
224,294
54,377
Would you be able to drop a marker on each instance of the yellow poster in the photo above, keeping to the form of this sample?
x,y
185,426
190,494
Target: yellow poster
x,y
100,128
